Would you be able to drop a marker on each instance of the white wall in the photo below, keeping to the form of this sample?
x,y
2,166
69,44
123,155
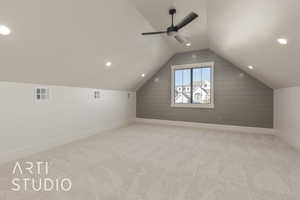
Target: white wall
x,y
287,114
28,126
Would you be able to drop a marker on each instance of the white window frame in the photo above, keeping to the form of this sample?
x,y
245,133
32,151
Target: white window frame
x,y
189,66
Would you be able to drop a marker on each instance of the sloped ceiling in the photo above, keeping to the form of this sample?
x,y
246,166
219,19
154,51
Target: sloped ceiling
x,y
157,13
242,31
245,32
66,42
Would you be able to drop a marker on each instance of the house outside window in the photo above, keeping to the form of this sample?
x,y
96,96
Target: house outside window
x,y
192,85
197,97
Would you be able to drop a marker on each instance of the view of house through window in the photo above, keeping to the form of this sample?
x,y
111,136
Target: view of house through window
x,y
192,85
183,86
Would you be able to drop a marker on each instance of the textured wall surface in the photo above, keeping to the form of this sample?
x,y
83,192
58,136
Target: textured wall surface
x,y
239,98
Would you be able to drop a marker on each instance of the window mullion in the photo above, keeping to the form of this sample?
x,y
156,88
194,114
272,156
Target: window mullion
x,y
191,90
182,84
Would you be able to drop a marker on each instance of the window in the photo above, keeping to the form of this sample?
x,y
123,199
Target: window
x,y
192,85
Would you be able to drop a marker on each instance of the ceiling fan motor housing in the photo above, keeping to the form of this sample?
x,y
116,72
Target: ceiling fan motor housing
x,y
172,11
171,31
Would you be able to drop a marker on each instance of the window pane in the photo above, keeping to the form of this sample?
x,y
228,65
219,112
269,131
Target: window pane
x,y
182,86
201,85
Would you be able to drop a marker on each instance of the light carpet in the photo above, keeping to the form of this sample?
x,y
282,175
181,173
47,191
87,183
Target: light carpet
x,y
155,162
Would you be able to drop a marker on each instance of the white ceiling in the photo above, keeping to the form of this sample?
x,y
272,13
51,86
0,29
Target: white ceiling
x,y
242,31
157,13
66,42
245,32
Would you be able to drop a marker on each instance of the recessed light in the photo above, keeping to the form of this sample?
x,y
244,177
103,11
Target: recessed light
x,y
143,75
250,67
108,64
4,30
282,41
188,44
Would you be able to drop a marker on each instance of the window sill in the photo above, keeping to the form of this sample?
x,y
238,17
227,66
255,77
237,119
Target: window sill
x,y
210,106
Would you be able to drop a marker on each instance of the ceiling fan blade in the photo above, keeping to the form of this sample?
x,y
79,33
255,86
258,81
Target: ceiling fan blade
x,y
181,39
154,33
188,19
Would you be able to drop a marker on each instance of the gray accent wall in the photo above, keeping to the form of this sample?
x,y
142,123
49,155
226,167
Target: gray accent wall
x,y
239,98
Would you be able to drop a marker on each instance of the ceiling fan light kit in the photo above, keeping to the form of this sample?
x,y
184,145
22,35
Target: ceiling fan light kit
x,y
172,30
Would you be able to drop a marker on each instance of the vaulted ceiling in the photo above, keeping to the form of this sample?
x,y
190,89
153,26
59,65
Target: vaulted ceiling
x,y
157,13
66,42
245,32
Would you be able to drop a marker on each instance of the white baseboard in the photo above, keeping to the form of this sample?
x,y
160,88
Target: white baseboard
x,y
243,129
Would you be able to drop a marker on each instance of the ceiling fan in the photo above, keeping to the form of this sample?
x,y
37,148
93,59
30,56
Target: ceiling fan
x,y
173,30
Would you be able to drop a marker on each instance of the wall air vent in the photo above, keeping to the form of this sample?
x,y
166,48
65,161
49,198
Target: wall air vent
x,y
97,94
42,94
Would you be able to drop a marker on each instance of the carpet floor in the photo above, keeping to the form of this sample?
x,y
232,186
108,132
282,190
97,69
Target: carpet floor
x,y
155,162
